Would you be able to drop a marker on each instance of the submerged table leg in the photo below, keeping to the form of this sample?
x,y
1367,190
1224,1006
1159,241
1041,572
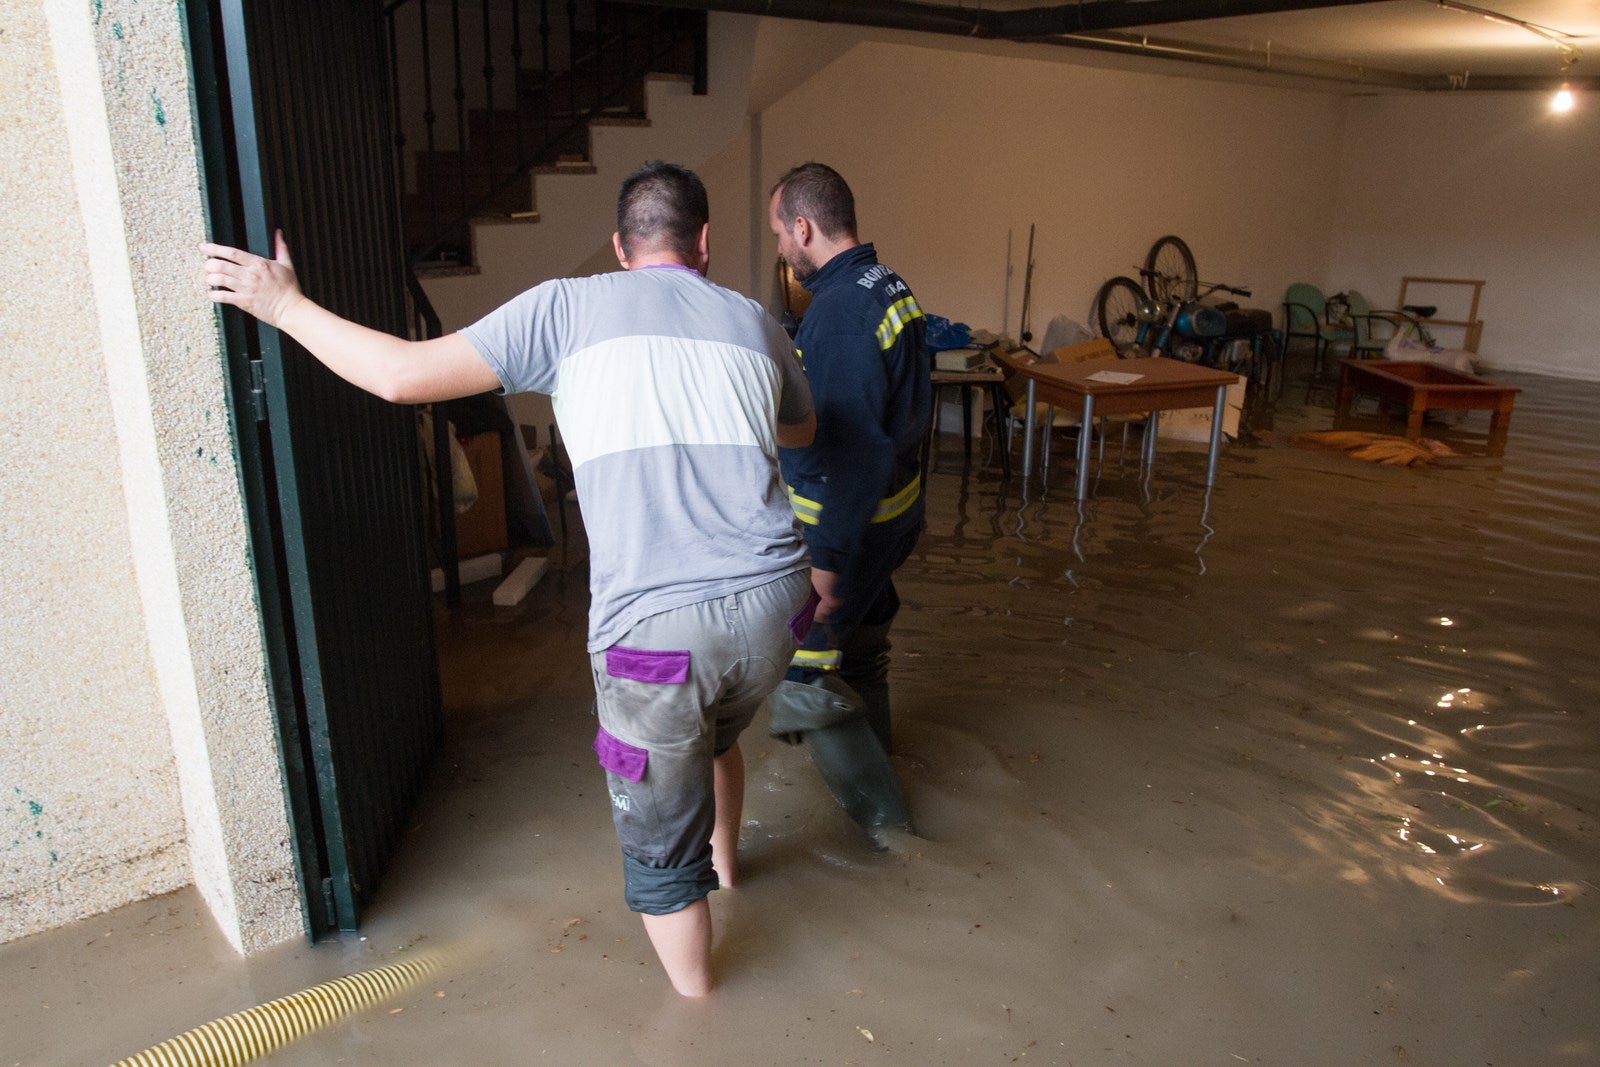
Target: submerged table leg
x,y
1027,439
1216,433
1085,438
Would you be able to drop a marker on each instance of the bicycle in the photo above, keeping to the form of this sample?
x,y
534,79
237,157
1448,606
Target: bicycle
x,y
1139,323
1124,307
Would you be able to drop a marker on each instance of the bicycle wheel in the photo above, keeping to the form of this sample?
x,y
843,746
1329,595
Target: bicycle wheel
x,y
1116,310
1171,270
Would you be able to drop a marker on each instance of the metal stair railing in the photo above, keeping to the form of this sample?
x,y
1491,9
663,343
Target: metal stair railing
x,y
591,63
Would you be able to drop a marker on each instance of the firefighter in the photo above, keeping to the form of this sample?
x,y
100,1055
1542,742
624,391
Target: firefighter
x,y
857,488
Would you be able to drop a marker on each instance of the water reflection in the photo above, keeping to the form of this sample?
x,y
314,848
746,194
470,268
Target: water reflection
x,y
1297,607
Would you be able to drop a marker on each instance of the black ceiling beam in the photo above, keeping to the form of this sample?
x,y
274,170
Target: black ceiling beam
x,y
1046,21
884,14
1098,15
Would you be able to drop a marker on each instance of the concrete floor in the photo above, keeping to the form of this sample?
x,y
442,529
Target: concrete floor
x,y
1299,771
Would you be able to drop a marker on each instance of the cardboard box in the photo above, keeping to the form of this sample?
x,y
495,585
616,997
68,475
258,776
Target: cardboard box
x,y
1097,348
1194,424
482,527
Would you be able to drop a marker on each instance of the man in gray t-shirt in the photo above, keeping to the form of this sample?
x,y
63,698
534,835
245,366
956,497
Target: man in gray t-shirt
x,y
674,396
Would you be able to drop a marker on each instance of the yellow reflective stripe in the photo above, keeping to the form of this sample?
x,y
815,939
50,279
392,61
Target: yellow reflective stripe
x,y
807,511
892,507
821,660
900,313
895,506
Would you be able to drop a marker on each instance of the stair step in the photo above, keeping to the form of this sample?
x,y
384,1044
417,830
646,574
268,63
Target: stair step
x,y
427,210
452,270
514,218
584,167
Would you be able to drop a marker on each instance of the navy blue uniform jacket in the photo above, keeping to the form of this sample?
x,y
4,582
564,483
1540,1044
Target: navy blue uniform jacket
x,y
863,344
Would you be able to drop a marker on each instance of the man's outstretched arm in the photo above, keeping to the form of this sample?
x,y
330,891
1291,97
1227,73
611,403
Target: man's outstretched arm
x,y
398,370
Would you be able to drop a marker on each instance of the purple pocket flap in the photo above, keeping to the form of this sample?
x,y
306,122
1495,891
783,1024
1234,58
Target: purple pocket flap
x,y
619,757
800,625
648,665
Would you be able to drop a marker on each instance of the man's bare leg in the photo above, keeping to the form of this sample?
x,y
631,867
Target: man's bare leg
x,y
727,777
682,940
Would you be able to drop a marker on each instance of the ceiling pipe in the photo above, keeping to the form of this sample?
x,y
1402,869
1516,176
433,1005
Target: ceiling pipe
x,y
1327,70
1088,25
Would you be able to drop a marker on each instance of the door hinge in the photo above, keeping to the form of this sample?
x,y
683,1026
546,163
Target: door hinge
x,y
331,910
258,390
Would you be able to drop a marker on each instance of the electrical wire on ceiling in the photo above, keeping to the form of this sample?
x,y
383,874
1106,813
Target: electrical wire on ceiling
x,y
1568,51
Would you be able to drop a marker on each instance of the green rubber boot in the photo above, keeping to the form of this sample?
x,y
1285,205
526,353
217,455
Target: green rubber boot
x,y
831,718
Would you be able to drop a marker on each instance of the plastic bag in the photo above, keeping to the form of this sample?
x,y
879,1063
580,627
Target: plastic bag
x,y
944,334
463,486
1405,349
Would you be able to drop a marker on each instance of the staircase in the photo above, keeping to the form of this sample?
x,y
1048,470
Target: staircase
x,y
489,96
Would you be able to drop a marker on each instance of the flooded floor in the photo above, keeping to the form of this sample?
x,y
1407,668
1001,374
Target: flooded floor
x,y
1301,771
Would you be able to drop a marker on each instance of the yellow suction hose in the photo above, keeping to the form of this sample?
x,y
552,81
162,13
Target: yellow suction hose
x,y
254,1032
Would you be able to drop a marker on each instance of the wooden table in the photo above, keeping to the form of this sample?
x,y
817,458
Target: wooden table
x,y
1423,387
1163,385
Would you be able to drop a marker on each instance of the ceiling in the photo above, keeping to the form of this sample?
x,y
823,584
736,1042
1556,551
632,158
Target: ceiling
x,y
1381,44
1408,37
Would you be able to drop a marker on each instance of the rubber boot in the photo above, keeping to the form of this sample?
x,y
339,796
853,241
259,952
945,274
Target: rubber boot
x,y
830,717
865,668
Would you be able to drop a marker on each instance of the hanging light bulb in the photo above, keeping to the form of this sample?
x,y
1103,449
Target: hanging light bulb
x,y
1562,103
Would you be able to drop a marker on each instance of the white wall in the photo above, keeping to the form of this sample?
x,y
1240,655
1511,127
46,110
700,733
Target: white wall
x,y
1479,185
952,155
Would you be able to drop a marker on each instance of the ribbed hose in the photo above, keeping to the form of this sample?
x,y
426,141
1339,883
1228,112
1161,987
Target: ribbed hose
x,y
255,1032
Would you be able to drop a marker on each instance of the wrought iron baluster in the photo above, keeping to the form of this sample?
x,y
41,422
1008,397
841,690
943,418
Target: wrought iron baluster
x,y
572,58
698,31
488,88
399,128
546,107
429,118
461,110
516,82
602,63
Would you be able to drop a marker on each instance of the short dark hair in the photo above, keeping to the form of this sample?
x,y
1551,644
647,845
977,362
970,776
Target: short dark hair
x,y
662,206
816,191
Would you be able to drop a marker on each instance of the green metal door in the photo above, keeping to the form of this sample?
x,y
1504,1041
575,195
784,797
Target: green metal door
x,y
292,101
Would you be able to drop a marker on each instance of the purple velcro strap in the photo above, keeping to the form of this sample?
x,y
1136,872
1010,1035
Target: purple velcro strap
x,y
648,665
619,757
800,625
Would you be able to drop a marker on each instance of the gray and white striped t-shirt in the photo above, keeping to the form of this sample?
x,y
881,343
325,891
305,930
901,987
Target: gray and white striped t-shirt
x,y
667,389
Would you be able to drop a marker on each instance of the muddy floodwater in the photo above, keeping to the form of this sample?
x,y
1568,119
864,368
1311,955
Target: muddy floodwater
x,y
1303,770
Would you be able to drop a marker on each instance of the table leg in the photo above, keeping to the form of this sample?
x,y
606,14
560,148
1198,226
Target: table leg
x,y
966,420
1147,447
1216,433
1341,401
1500,425
1002,434
1500,421
1027,439
1085,435
1414,414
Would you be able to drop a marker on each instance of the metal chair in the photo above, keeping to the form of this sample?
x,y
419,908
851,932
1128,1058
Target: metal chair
x,y
1305,316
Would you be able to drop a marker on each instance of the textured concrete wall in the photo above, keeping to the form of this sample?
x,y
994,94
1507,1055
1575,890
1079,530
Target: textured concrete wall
x,y
89,813
160,735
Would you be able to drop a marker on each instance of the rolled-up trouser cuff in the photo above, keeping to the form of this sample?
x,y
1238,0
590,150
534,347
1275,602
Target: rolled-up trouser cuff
x,y
664,890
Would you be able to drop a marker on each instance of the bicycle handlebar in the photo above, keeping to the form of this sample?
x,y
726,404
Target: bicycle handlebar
x,y
1211,287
